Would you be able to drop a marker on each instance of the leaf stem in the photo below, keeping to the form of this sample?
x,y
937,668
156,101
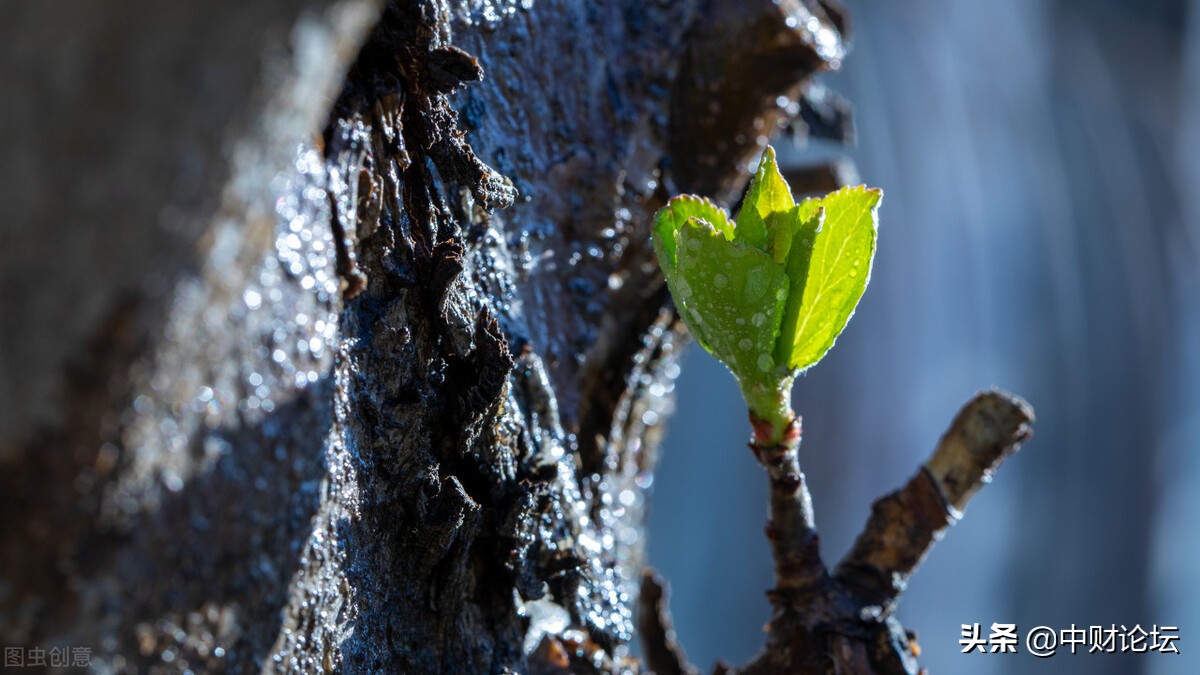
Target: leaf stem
x,y
770,406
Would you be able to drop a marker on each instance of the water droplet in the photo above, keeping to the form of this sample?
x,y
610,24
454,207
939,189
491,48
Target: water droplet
x,y
757,281
758,319
693,244
764,362
721,281
745,344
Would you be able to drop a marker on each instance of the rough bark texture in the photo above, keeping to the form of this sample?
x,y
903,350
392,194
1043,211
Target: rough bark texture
x,y
380,389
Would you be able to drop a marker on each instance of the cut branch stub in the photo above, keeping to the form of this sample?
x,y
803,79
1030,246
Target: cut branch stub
x,y
986,432
904,525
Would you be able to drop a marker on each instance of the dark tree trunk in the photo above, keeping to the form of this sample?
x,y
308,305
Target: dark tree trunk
x,y
383,397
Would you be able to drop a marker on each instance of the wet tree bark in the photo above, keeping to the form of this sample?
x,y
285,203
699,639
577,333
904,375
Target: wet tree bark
x,y
352,398
383,391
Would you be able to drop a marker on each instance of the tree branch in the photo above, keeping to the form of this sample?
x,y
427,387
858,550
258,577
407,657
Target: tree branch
x,y
904,524
843,624
792,528
663,653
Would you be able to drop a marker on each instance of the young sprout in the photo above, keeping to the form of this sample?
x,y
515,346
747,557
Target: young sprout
x,y
768,293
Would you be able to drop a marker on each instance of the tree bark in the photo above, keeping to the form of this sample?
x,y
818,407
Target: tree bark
x,y
369,380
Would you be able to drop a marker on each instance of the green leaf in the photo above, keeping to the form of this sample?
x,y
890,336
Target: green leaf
x,y
838,269
768,193
732,298
797,229
768,295
671,218
792,225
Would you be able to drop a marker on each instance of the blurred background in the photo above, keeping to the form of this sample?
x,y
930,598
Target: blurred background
x,y
1039,232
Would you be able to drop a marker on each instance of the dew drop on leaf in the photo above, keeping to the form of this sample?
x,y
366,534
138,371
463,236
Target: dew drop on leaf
x,y
758,280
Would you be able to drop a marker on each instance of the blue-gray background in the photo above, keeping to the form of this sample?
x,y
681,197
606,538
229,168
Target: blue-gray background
x,y
1041,168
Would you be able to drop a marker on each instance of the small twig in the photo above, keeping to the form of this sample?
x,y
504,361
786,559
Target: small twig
x,y
663,653
791,529
904,524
